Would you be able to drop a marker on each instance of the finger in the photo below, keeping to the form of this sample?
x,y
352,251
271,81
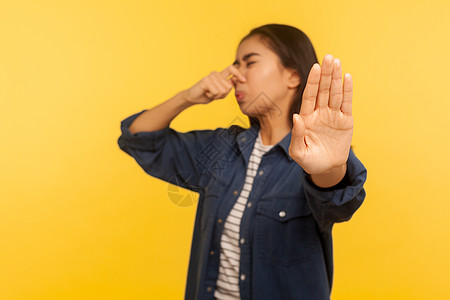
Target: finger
x,y
211,88
346,106
224,85
325,81
232,70
298,145
310,92
233,79
336,86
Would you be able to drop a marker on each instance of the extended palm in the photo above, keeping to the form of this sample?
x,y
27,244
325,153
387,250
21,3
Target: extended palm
x,y
322,132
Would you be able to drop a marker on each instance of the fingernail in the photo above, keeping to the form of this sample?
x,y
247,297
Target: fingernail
x,y
338,62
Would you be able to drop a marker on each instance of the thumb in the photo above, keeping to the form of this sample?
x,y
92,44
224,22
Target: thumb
x,y
298,144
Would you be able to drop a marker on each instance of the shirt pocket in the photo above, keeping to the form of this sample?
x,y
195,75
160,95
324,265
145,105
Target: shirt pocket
x,y
285,231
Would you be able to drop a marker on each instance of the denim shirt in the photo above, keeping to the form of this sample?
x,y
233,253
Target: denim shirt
x,y
285,232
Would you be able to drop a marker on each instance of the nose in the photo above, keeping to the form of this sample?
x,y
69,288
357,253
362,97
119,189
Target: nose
x,y
235,80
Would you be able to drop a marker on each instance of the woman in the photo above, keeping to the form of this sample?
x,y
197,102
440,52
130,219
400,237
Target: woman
x,y
269,194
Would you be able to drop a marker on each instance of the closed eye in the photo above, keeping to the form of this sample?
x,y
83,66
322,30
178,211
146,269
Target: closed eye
x,y
248,64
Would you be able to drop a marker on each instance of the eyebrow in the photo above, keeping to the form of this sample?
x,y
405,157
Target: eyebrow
x,y
245,58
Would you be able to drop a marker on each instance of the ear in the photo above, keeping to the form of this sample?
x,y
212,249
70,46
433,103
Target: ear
x,y
294,79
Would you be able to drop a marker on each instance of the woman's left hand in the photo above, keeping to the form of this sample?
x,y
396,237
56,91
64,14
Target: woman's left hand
x,y
322,132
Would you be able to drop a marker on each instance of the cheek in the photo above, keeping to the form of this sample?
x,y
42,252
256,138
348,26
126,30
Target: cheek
x,y
258,79
264,80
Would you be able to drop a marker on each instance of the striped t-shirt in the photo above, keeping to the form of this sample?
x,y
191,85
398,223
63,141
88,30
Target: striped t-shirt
x,y
227,286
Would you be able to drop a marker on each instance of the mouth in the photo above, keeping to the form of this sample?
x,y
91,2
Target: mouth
x,y
239,96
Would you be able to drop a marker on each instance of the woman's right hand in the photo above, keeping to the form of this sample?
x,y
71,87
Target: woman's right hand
x,y
214,86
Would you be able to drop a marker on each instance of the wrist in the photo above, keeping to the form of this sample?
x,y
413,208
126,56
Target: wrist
x,y
330,177
185,99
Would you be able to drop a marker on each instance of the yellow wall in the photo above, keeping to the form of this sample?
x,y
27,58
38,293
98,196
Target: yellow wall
x,y
79,219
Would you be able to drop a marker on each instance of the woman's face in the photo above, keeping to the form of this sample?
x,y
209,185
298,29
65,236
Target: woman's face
x,y
268,88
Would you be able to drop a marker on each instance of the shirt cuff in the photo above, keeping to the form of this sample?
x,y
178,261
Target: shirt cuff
x,y
354,178
345,181
144,140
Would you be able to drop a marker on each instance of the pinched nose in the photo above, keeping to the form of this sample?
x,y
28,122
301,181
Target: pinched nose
x,y
236,81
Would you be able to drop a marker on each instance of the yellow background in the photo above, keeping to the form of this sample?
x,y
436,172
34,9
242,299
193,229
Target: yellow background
x,y
79,219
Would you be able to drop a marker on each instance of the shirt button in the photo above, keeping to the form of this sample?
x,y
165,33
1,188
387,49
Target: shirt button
x,y
209,289
235,192
282,214
211,253
242,240
261,172
249,204
243,139
219,221
243,277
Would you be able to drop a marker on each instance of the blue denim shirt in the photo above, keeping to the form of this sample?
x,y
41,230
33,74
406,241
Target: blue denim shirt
x,y
286,227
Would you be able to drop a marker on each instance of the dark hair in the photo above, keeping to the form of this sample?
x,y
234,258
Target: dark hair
x,y
295,51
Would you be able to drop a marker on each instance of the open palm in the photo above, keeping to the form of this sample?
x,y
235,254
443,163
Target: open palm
x,y
322,132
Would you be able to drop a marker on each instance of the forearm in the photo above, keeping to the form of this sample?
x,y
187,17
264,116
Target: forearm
x,y
160,116
330,178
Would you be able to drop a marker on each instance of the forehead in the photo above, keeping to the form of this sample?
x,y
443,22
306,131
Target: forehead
x,y
252,44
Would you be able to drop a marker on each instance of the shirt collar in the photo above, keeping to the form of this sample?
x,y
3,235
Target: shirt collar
x,y
248,137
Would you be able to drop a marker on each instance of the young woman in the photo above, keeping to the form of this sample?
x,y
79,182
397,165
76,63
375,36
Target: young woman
x,y
270,194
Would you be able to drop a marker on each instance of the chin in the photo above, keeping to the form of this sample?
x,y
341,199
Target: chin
x,y
245,110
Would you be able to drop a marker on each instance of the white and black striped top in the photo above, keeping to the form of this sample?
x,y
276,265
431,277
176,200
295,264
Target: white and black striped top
x,y
227,286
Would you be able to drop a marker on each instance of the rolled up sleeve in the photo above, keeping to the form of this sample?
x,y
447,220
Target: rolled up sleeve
x,y
166,153
338,203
